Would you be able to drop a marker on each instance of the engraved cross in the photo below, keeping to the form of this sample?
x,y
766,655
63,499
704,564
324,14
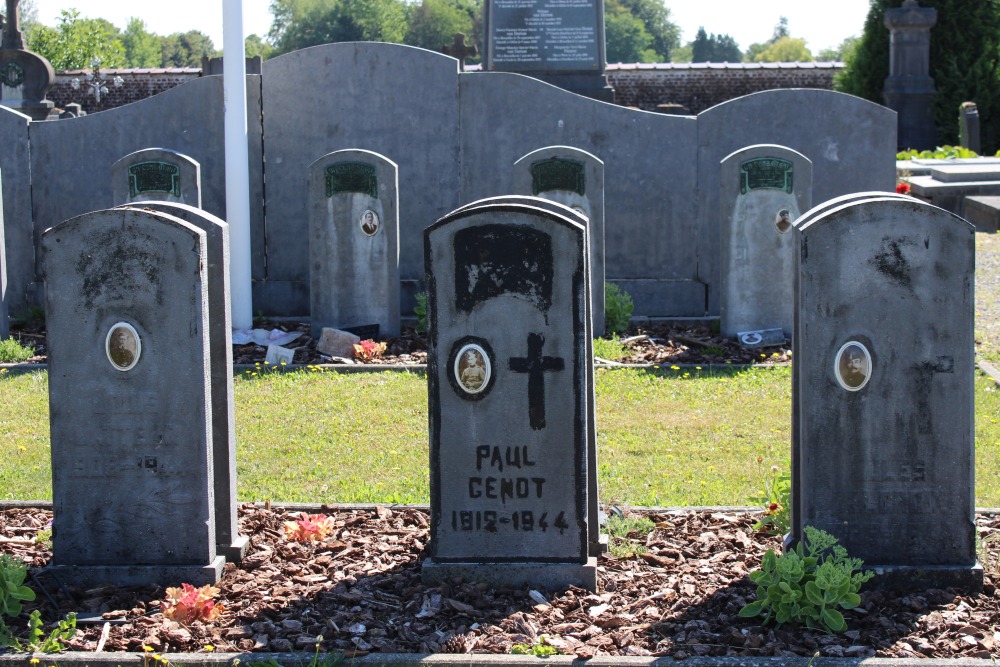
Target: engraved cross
x,y
12,38
535,366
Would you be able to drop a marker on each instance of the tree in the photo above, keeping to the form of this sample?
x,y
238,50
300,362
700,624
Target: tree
x,y
840,53
301,23
964,62
433,23
186,49
714,48
655,19
142,48
754,50
625,35
254,45
785,50
76,42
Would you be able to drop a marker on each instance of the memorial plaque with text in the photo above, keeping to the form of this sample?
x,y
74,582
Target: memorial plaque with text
x,y
545,35
509,322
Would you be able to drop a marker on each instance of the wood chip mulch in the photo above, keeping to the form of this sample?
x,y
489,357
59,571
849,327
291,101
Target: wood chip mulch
x,y
361,591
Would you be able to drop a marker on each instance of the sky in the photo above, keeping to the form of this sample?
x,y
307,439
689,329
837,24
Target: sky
x,y
821,24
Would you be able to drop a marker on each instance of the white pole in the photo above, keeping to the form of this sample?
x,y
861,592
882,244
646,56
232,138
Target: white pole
x,y
234,82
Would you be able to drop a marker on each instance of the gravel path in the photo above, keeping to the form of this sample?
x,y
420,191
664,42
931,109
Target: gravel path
x,y
988,296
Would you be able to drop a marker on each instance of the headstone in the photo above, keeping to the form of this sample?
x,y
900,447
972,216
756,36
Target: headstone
x,y
909,88
559,42
968,126
765,188
354,242
882,425
229,543
129,395
574,178
509,325
25,77
4,312
156,174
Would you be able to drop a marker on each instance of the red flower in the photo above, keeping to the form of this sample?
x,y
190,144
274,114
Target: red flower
x,y
903,188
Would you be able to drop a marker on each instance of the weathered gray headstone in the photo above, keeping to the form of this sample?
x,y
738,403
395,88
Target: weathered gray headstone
x,y
574,178
968,126
882,427
509,322
129,395
354,242
4,313
156,174
229,543
765,188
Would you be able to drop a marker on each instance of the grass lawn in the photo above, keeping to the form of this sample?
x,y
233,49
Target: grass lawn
x,y
670,437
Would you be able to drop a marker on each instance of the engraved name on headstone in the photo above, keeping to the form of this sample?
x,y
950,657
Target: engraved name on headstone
x,y
882,422
129,395
574,178
156,174
765,188
354,242
509,323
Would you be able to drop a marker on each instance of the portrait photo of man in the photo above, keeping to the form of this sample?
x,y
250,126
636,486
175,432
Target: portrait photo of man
x,y
369,222
123,346
853,366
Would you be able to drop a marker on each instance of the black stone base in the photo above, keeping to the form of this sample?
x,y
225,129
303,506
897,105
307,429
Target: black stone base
x,y
968,579
89,576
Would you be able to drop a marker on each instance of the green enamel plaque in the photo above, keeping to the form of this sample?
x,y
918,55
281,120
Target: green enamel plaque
x,y
146,177
765,172
351,177
558,174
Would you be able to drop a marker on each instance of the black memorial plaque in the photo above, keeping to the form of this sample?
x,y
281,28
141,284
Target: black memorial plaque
x,y
545,35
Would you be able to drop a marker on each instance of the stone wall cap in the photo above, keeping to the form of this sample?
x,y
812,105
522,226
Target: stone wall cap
x,y
825,64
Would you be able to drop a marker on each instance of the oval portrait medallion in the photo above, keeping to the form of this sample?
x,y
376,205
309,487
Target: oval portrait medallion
x,y
472,368
123,346
369,222
853,366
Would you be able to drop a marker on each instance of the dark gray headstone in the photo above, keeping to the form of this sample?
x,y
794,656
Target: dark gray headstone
x,y
229,543
509,321
882,426
765,188
4,313
536,35
574,178
968,126
156,174
353,242
129,396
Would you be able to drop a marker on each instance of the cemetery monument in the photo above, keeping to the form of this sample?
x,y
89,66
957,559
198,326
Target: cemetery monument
x,y
156,174
25,77
509,322
882,417
130,391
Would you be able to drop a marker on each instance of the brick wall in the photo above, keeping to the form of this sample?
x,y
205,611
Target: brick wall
x,y
138,84
698,86
693,86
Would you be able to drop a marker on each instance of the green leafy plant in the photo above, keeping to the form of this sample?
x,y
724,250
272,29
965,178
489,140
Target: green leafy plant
x,y
807,584
939,153
540,649
777,500
609,349
617,309
39,642
12,590
13,352
420,310
623,533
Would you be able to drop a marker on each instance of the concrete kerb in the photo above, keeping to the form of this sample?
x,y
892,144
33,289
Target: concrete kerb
x,y
305,659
